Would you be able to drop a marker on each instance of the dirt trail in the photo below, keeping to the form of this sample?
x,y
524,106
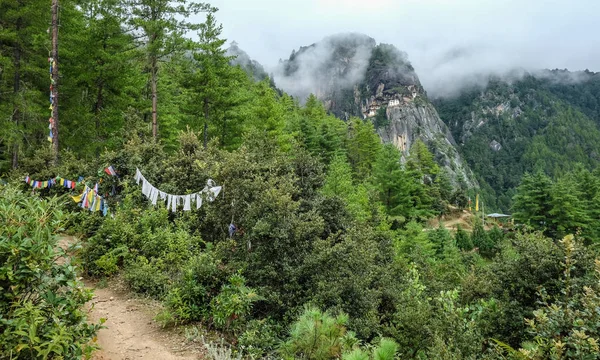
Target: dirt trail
x,y
131,333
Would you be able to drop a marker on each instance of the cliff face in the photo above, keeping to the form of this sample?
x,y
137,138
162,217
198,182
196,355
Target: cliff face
x,y
354,76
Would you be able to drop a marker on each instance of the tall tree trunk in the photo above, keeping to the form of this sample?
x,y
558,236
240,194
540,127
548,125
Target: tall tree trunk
x,y
97,107
153,81
16,89
205,122
55,78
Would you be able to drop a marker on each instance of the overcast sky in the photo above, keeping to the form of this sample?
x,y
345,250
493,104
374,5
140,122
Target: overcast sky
x,y
446,40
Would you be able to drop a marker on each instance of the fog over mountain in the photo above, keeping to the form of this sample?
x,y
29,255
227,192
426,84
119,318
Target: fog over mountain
x,y
449,43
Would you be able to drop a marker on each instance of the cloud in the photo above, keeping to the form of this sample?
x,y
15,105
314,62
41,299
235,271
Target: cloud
x,y
449,42
317,69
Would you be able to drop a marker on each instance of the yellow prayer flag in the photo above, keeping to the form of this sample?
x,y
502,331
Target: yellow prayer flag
x,y
477,202
62,182
77,198
98,199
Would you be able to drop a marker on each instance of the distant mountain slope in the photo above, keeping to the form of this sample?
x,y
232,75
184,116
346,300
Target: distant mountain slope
x,y
252,67
548,121
355,76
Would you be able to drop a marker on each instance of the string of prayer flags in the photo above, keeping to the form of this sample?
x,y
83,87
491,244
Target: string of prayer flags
x,y
68,184
210,193
90,200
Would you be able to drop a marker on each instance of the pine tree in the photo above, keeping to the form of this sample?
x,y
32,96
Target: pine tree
x,y
588,186
392,182
363,145
99,72
160,23
567,214
24,79
481,240
339,178
531,204
441,239
423,170
339,183
462,239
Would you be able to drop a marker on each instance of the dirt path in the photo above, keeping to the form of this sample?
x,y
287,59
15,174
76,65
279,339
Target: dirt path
x,y
131,332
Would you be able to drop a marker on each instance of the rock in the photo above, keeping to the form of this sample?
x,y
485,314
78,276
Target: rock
x,y
354,76
111,298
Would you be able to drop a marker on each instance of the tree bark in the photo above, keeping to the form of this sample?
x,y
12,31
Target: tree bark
x,y
16,89
153,81
205,122
55,84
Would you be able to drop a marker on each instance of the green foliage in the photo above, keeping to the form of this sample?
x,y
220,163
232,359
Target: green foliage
x,y
393,182
558,207
565,326
536,120
233,303
380,120
42,313
462,239
481,240
317,335
363,145
325,214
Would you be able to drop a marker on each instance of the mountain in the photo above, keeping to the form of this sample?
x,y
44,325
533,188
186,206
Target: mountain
x,y
524,122
356,77
252,67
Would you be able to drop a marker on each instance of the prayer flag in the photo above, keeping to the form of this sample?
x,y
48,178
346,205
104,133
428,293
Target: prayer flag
x,y
110,171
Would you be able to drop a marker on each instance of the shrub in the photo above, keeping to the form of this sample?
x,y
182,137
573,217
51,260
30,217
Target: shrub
x,y
317,335
147,276
41,300
230,308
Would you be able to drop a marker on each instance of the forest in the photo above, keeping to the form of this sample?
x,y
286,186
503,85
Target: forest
x,y
319,243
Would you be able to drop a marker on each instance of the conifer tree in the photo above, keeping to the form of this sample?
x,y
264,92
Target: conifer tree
x,y
392,182
481,240
339,178
423,170
213,80
23,90
441,239
363,146
567,214
531,204
462,239
160,21
99,72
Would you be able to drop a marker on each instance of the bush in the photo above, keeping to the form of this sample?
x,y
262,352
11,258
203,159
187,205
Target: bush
x,y
191,295
317,335
147,276
230,308
41,300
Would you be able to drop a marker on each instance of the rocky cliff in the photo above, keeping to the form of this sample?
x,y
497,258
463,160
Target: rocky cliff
x,y
354,76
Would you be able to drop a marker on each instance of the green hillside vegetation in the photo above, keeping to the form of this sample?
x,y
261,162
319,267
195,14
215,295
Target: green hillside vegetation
x,y
331,258
536,124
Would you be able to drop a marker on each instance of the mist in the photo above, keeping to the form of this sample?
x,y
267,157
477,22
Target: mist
x,y
311,69
450,43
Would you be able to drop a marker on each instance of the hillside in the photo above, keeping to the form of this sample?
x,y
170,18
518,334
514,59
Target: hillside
x,y
547,121
320,215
